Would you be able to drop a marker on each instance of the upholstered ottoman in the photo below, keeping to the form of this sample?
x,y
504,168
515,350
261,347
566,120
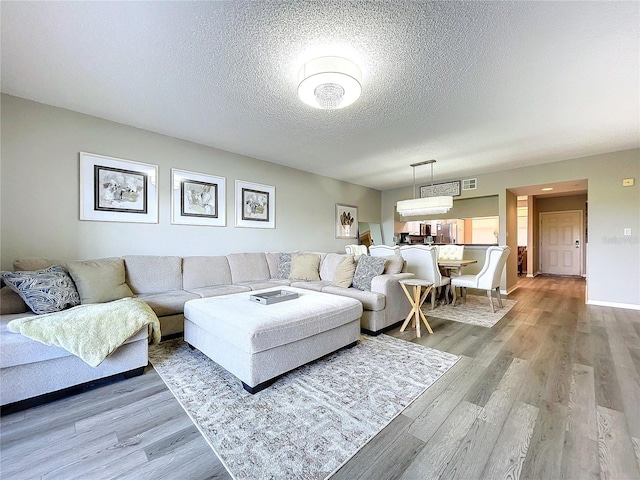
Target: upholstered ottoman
x,y
257,342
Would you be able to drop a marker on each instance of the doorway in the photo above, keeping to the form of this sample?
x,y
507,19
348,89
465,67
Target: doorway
x,y
561,243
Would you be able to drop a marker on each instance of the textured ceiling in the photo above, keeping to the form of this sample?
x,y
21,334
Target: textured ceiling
x,y
479,86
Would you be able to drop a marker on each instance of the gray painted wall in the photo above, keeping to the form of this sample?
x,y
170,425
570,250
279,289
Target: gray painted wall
x,y
40,192
613,260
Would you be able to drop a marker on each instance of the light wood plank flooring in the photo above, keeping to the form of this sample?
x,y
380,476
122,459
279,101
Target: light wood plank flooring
x,y
552,391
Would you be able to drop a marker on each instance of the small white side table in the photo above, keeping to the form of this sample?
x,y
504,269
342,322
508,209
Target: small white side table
x,y
416,300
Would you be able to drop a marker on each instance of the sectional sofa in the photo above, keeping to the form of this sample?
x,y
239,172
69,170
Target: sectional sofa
x,y
29,369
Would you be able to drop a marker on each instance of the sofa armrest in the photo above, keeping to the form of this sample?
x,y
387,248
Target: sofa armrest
x,y
397,306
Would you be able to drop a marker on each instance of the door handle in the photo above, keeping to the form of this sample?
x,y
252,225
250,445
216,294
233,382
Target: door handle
x,y
577,243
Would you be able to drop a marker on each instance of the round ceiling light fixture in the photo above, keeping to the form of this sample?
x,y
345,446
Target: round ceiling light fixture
x,y
329,83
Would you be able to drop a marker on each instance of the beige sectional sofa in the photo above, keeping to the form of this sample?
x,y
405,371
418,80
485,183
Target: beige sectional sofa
x,y
166,283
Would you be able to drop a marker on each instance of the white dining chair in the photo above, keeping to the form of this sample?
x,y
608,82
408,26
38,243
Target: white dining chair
x,y
422,261
487,279
383,250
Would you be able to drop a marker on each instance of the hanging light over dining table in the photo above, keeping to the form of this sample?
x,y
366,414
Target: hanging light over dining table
x,y
433,205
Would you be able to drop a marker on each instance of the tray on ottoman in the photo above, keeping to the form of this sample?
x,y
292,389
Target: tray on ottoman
x,y
267,298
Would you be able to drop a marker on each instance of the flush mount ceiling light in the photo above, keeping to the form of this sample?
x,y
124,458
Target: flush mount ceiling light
x,y
427,205
329,83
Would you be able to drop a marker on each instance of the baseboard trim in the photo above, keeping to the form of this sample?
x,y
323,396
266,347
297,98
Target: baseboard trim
x,y
629,306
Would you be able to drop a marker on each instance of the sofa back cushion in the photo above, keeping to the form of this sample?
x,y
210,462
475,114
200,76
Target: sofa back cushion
x,y
153,273
248,267
198,272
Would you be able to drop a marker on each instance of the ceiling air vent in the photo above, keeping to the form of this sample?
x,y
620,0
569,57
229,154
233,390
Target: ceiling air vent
x,y
470,184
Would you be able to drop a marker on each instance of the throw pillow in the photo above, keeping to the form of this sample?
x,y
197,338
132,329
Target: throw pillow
x,y
284,266
305,266
343,275
393,264
367,268
44,291
100,281
10,302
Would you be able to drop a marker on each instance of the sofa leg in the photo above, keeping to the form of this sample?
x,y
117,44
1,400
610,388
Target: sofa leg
x,y
136,372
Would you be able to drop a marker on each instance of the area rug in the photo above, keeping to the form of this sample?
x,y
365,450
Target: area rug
x,y
475,311
311,420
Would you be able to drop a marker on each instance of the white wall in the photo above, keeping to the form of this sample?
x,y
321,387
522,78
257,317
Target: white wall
x,y
613,260
40,192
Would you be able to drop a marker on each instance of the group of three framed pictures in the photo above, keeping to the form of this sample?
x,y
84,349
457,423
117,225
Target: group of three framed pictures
x,y
117,190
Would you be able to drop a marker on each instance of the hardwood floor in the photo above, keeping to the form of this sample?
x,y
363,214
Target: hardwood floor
x,y
552,391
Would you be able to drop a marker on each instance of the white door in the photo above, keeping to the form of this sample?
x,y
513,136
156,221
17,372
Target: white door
x,y
561,248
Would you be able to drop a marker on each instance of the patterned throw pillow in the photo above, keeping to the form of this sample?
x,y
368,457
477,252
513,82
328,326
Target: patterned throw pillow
x,y
367,268
44,291
284,266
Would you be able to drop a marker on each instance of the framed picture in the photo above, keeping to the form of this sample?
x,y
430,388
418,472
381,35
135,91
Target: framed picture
x,y
117,190
255,205
197,199
346,221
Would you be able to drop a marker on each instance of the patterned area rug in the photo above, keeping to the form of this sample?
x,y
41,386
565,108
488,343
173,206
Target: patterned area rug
x,y
310,421
475,311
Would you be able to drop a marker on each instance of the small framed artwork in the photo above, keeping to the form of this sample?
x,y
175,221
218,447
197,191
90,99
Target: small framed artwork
x,y
197,199
346,221
117,190
255,205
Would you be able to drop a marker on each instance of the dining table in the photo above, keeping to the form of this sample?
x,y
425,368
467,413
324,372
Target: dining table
x,y
457,265
453,267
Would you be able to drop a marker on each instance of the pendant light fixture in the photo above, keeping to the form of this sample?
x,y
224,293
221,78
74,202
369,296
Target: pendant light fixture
x,y
427,205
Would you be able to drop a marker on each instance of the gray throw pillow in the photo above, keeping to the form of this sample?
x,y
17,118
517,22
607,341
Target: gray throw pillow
x,y
284,266
100,281
367,268
44,291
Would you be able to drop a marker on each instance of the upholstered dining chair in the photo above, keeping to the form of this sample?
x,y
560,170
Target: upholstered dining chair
x,y
356,250
488,278
383,250
422,261
450,252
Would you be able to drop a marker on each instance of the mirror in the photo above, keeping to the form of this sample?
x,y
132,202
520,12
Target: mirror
x,y
370,233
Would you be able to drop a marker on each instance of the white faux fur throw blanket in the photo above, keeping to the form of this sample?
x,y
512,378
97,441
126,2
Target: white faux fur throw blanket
x,y
91,332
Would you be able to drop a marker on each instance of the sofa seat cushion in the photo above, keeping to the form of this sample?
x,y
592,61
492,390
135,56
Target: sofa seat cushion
x,y
216,290
168,303
20,350
316,285
260,284
370,300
